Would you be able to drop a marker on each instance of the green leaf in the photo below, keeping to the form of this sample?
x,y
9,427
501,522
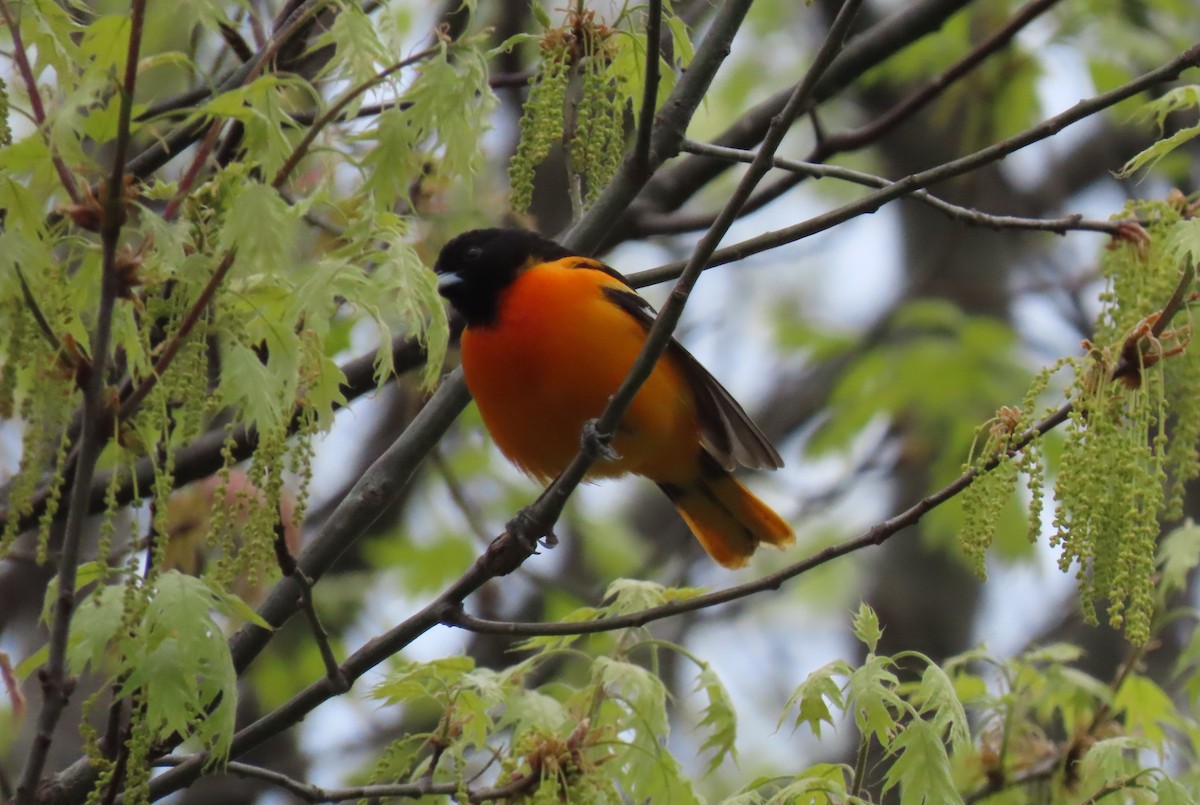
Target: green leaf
x,y
1147,709
1183,240
95,629
178,657
1178,555
1057,653
872,697
1152,154
922,769
262,229
105,44
937,698
866,627
815,694
1110,759
680,40
1170,792
719,718
414,680
249,386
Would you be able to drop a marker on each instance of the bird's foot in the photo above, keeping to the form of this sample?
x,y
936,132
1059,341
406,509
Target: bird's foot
x,y
524,528
596,444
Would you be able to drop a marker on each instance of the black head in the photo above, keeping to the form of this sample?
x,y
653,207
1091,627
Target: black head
x,y
475,268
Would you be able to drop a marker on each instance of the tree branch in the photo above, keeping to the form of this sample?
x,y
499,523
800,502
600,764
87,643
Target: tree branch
x,y
916,181
678,183
817,170
423,788
649,222
641,149
56,687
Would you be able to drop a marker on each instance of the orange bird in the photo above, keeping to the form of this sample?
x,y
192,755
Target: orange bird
x,y
549,337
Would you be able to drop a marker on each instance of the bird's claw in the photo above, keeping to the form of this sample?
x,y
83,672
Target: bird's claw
x,y
524,529
596,443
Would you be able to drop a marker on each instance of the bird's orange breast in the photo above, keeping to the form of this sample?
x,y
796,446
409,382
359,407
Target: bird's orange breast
x,y
549,363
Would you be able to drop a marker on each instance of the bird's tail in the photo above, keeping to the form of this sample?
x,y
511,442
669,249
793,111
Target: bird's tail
x,y
728,520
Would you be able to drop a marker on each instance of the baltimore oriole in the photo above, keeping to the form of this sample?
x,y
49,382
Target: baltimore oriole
x,y
550,336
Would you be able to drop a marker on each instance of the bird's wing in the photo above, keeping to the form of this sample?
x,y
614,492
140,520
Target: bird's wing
x,y
726,430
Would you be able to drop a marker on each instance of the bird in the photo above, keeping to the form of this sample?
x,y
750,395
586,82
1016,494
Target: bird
x,y
549,337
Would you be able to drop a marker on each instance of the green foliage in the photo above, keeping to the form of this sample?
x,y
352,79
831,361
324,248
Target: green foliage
x,y
1107,520
591,76
1026,729
1180,99
163,645
1131,436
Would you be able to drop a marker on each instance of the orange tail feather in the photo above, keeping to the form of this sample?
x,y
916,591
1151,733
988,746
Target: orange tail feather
x,y
728,520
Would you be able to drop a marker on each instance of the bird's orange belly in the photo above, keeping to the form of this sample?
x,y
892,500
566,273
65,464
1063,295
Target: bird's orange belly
x,y
546,368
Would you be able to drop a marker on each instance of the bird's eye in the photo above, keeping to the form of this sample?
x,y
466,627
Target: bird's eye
x,y
474,253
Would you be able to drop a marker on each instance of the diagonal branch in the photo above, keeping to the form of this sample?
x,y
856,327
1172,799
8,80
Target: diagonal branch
x,y
649,222
917,181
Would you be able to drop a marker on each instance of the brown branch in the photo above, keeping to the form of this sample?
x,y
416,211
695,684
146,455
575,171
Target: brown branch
x,y
641,148
36,311
917,181
56,687
905,109
422,788
1059,226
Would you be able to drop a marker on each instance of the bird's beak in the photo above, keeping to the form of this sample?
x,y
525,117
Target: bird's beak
x,y
448,281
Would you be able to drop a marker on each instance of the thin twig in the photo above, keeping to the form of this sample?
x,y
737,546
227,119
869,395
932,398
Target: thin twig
x,y
56,687
333,111
313,793
641,148
287,566
651,223
1060,225
872,202
672,187
36,311
906,108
